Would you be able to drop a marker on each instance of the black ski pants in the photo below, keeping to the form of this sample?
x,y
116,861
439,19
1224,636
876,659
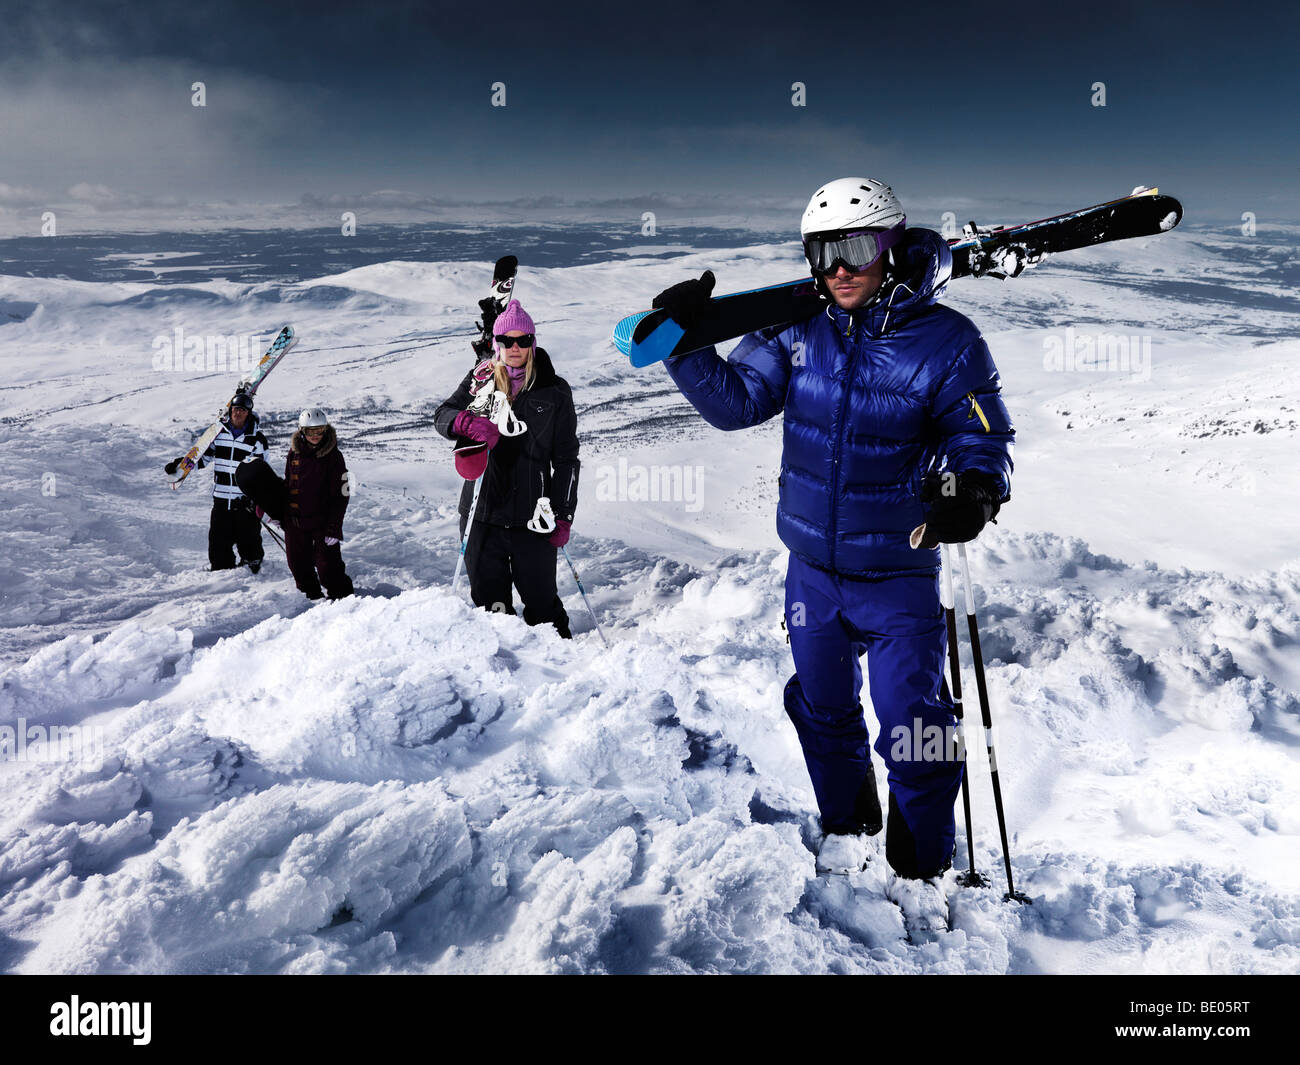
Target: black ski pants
x,y
313,563
497,557
233,526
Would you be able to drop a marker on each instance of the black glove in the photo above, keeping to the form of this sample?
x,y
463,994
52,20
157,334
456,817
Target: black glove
x,y
242,503
959,506
685,301
172,466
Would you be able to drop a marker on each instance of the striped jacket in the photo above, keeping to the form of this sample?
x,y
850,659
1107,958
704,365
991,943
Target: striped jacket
x,y
228,451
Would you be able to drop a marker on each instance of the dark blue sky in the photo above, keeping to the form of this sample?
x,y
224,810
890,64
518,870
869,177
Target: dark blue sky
x,y
678,106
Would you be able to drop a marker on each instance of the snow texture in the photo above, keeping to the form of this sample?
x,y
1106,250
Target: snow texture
x,y
399,783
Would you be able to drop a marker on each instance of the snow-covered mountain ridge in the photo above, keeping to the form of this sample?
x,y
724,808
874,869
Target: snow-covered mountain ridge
x,y
400,783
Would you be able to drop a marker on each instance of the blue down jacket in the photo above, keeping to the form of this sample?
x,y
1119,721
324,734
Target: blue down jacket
x,y
873,400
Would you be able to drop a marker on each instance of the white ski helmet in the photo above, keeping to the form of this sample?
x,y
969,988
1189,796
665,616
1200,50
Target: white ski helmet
x,y
313,418
852,203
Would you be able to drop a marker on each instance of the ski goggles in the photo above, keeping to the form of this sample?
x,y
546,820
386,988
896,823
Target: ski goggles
x,y
525,341
854,249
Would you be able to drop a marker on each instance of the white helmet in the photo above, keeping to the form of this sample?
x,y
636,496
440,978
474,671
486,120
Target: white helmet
x,y
851,203
312,418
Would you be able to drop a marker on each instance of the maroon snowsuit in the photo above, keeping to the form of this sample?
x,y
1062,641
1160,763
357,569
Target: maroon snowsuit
x,y
317,491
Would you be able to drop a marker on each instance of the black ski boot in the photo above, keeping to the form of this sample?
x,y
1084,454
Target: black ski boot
x,y
867,806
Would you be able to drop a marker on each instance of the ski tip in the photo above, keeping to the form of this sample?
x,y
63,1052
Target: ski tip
x,y
624,330
918,534
285,339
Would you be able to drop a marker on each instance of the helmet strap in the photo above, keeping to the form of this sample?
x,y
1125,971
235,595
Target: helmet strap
x,y
888,280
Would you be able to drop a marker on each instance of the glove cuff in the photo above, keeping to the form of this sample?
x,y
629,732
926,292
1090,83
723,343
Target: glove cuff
x,y
984,489
983,482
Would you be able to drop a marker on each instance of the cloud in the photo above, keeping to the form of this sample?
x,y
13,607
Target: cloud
x,y
15,196
93,194
87,128
379,199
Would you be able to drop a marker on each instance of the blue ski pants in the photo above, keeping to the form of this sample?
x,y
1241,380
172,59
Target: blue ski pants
x,y
897,622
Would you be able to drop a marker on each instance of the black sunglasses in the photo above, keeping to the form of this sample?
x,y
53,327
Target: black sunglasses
x,y
525,341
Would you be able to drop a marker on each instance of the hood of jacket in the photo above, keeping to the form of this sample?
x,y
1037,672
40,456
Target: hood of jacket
x,y
327,444
922,269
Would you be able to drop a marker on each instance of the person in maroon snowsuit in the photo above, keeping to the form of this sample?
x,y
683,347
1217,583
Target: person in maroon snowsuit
x,y
316,494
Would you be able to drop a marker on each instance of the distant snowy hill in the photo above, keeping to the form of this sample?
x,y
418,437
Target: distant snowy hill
x,y
400,783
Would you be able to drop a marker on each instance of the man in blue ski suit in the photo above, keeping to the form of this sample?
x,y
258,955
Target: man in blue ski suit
x,y
893,418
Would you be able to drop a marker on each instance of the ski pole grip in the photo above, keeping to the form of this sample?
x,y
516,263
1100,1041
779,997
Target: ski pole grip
x,y
965,576
947,598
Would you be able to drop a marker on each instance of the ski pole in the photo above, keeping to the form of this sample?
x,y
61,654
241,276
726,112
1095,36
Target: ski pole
x,y
274,535
970,878
460,560
978,657
583,592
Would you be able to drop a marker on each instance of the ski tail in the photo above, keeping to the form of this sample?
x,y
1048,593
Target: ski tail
x,y
503,286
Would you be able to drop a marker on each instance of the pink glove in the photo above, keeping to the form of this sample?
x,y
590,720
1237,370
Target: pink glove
x,y
476,427
561,535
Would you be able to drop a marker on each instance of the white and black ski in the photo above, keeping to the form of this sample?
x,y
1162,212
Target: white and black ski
x,y
280,346
503,285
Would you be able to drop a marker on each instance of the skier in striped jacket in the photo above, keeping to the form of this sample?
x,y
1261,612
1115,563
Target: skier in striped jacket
x,y
234,522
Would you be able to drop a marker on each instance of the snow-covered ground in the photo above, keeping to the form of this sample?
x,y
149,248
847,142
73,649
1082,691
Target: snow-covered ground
x,y
397,782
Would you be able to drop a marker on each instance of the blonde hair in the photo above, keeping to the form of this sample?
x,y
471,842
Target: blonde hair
x,y
502,378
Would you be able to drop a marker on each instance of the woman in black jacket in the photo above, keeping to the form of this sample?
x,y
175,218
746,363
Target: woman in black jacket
x,y
540,461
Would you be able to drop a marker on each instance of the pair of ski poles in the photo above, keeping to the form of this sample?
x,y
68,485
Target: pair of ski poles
x,y
274,535
971,878
460,562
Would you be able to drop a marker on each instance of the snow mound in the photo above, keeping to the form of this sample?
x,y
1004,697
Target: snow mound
x,y
407,784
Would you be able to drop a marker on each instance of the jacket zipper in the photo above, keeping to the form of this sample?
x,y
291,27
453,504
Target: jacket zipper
x,y
975,410
839,437
854,336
